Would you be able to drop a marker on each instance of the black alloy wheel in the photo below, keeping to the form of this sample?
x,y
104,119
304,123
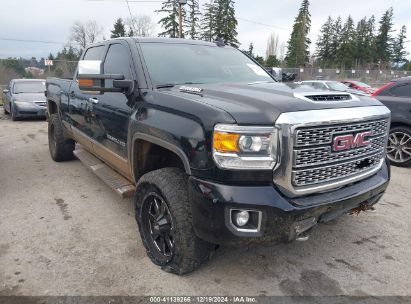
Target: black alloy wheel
x,y
158,222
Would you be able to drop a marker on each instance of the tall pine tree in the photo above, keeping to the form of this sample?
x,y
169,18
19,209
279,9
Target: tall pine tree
x,y
298,45
347,47
399,52
225,22
119,29
170,22
208,23
384,40
324,51
192,20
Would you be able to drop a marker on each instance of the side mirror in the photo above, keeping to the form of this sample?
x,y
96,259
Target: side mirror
x,y
5,91
91,78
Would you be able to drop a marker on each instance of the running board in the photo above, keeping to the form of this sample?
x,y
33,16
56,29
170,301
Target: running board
x,y
123,187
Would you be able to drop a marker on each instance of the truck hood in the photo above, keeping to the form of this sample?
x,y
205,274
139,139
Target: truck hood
x,y
262,103
29,97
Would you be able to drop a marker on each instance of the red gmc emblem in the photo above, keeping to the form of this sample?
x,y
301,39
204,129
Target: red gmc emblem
x,y
345,142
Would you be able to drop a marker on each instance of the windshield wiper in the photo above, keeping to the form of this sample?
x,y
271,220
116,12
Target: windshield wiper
x,y
171,85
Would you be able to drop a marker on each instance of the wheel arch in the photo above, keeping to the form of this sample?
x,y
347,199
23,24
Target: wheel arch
x,y
163,154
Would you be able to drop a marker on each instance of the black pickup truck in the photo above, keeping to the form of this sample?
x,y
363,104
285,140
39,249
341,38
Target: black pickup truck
x,y
214,150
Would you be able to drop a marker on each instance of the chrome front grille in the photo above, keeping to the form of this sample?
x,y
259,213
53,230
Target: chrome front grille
x,y
324,155
330,173
309,163
314,160
324,135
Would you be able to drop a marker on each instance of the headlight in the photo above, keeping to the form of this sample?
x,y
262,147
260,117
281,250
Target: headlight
x,y
245,147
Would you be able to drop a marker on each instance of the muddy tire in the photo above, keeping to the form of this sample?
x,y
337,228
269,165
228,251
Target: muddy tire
x,y
163,215
61,149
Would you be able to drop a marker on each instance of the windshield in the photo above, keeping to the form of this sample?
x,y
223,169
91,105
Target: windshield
x,y
361,84
337,86
185,63
29,87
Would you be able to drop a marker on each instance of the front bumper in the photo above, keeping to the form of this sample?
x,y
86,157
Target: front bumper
x,y
280,216
29,111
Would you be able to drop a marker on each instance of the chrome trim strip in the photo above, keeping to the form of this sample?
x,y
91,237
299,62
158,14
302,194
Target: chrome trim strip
x,y
287,123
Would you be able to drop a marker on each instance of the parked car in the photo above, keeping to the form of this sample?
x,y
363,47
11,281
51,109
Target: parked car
x,y
215,150
25,98
358,85
396,95
331,85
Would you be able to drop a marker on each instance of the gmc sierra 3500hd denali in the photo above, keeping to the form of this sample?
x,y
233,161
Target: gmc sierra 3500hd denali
x,y
214,149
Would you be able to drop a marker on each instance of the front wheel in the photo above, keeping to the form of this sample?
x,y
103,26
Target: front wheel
x,y
13,113
164,220
399,146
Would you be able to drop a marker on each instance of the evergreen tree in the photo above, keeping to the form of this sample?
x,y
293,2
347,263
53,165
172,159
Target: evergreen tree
x,y
208,24
298,45
192,20
347,48
170,22
384,40
119,29
324,44
250,51
361,47
370,41
225,22
399,51
336,40
272,61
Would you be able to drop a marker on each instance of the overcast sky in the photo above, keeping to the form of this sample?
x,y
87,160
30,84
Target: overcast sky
x,y
50,20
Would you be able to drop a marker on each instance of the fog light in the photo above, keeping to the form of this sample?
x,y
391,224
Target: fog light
x,y
241,218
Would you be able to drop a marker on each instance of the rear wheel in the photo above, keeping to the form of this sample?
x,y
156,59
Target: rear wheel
x,y
164,219
399,146
61,149
4,108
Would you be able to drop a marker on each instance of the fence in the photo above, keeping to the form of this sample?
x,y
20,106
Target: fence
x,y
375,78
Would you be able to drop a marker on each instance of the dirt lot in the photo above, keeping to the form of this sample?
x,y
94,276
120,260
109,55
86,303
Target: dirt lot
x,y
63,232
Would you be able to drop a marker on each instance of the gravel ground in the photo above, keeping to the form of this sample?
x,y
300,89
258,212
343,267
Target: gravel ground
x,y
63,232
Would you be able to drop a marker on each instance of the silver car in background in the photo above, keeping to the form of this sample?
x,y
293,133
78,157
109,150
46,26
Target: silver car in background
x,y
331,85
25,98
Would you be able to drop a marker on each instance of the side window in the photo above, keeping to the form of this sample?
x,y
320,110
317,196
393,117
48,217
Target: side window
x,y
118,61
402,90
94,53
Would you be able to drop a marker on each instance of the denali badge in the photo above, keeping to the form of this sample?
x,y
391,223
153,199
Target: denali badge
x,y
345,142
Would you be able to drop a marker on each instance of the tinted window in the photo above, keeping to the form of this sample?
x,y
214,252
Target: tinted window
x,y
94,53
117,61
401,90
182,63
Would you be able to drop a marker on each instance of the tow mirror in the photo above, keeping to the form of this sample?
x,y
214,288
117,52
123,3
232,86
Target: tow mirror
x,y
91,78
5,91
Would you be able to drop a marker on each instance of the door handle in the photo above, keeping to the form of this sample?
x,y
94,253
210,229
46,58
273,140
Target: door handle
x,y
93,100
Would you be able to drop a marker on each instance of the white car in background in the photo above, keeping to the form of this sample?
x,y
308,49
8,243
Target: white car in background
x,y
331,85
